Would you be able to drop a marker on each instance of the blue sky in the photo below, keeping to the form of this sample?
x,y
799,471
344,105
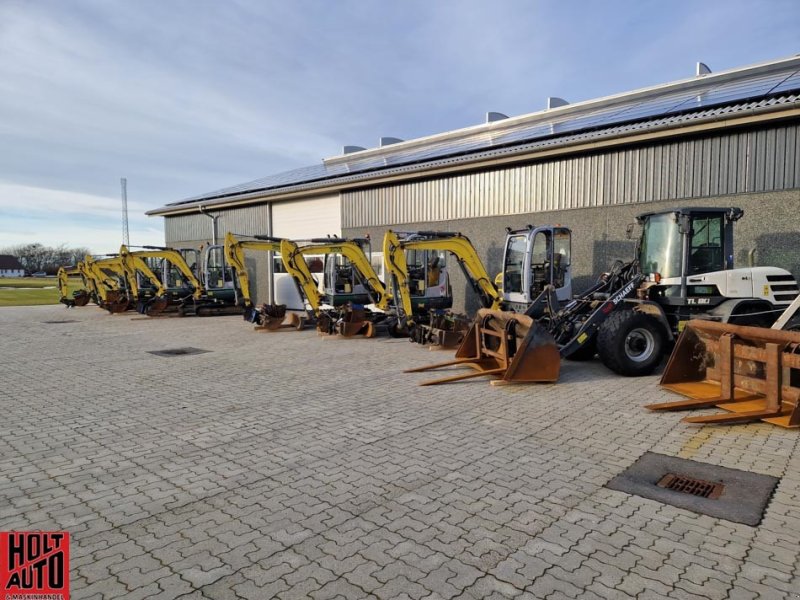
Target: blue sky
x,y
187,96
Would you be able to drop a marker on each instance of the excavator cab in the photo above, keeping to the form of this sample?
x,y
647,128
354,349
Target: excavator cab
x,y
535,257
218,275
342,283
428,280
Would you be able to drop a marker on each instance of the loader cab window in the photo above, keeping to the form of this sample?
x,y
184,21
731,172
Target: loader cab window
x,y
706,252
562,251
660,248
540,260
514,264
218,274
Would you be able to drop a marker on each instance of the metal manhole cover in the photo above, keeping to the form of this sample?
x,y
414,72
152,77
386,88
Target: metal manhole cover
x,y
178,351
59,322
689,485
731,494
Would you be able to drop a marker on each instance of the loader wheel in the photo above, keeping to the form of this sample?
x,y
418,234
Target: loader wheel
x,y
630,343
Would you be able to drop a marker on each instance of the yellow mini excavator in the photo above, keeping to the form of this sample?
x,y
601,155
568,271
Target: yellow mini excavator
x,y
350,283
79,297
268,317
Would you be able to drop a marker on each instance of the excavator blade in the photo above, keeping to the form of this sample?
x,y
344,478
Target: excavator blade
x,y
511,347
753,373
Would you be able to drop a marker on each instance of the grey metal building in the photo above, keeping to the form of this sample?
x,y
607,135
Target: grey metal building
x,y
729,138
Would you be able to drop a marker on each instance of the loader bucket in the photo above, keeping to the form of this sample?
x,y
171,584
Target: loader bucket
x,y
753,373
511,347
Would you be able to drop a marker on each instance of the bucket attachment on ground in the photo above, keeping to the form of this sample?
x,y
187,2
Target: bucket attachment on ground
x,y
153,306
116,302
506,345
271,317
751,372
80,298
445,329
348,321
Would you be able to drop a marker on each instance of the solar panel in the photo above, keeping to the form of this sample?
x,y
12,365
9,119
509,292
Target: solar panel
x,y
542,126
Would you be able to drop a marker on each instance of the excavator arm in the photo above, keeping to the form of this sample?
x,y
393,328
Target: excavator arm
x,y
79,297
456,244
297,267
234,254
174,258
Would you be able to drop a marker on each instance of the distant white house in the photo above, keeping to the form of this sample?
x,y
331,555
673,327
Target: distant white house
x,y
10,266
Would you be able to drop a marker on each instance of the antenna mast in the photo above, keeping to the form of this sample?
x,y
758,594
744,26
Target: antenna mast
x,y
125,237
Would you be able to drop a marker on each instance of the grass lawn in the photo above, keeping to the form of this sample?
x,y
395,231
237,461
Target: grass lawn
x,y
13,292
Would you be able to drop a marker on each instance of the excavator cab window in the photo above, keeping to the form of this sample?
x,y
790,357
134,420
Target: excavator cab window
x,y
218,273
156,265
175,279
706,253
339,274
514,267
426,269
191,256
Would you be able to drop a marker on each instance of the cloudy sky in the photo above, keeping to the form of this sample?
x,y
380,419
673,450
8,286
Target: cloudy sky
x,y
188,96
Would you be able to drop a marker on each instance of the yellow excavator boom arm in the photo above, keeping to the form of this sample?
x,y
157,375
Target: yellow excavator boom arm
x,y
457,245
234,254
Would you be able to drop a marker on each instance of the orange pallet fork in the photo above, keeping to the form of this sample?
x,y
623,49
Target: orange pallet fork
x,y
509,346
753,373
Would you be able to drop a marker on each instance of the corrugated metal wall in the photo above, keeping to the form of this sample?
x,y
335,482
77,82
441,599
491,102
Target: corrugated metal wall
x,y
246,220
731,163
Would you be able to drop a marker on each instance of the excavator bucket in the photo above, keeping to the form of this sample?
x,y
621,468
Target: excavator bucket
x,y
354,322
272,317
80,298
444,330
752,373
511,347
153,306
116,302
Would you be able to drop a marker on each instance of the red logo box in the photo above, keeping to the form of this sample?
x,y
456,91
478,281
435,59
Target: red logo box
x,y
34,564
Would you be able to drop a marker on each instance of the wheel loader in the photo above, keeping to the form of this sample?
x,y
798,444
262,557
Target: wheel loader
x,y
683,270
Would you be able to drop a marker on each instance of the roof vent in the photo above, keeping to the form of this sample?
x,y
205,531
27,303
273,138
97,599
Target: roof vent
x,y
491,117
554,102
702,69
388,141
351,149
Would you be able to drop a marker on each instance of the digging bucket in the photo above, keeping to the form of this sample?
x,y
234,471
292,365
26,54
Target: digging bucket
x,y
510,347
751,373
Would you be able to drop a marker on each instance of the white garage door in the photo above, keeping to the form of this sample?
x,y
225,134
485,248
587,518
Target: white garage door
x,y
302,219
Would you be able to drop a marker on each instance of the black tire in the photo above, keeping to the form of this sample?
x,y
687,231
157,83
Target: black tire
x,y
585,352
631,343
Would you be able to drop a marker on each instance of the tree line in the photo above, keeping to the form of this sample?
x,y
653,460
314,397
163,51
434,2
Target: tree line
x,y
36,258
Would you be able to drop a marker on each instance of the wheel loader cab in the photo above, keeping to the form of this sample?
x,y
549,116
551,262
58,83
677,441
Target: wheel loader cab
x,y
535,257
686,242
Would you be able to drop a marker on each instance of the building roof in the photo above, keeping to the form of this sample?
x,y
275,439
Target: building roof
x,y
7,261
767,86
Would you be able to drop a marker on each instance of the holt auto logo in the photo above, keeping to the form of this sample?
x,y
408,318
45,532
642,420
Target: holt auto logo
x,y
34,565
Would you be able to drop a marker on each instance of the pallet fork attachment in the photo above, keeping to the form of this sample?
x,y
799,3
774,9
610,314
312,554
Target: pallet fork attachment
x,y
508,346
753,373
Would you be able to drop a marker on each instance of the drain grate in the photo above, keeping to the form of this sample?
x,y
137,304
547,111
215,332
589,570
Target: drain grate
x,y
178,351
721,492
689,485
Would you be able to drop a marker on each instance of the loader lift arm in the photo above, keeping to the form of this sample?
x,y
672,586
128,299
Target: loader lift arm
x,y
456,244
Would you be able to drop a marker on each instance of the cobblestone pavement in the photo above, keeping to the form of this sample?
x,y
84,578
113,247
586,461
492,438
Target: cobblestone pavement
x,y
285,465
